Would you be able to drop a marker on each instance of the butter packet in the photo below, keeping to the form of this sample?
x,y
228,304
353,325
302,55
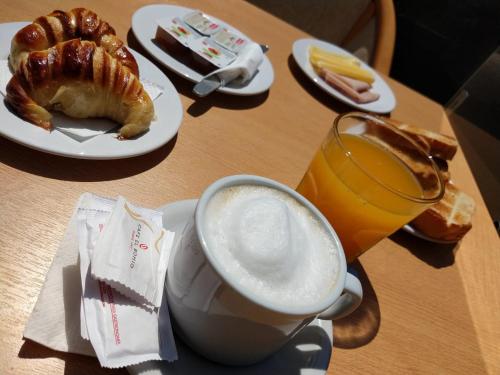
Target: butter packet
x,y
201,23
178,30
131,255
230,41
211,52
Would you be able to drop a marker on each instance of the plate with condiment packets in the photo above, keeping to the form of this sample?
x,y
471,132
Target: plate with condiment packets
x,y
384,104
168,118
144,26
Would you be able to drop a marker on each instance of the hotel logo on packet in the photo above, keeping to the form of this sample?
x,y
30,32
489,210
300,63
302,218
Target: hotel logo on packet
x,y
131,255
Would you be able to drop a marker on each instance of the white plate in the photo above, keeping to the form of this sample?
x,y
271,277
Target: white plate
x,y
308,353
168,110
384,104
144,28
410,229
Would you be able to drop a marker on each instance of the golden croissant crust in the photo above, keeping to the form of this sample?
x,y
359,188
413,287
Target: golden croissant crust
x,y
59,26
81,80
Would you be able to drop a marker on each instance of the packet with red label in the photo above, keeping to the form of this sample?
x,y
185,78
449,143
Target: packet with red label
x,y
229,40
176,29
131,254
210,52
122,331
201,23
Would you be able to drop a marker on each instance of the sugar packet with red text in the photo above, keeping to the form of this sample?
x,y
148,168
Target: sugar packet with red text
x,y
122,331
131,254
96,209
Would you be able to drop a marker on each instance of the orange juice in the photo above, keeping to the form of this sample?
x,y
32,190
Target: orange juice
x,y
360,187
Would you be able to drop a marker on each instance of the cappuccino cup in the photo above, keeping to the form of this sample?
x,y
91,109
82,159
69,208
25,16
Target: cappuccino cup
x,y
255,264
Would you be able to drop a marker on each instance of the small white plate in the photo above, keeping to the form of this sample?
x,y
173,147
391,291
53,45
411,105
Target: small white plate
x,y
384,104
144,28
410,229
308,353
168,110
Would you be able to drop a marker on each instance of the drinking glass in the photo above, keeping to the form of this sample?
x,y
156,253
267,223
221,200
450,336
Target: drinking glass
x,y
369,179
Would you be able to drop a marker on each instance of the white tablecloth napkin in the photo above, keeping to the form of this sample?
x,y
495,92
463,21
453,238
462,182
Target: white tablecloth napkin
x,y
55,319
244,67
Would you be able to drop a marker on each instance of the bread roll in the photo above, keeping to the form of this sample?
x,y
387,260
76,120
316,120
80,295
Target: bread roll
x,y
60,26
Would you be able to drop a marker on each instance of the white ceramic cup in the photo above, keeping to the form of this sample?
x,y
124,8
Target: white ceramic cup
x,y
229,324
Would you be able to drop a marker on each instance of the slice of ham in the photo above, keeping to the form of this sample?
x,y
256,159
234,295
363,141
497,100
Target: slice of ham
x,y
339,83
356,84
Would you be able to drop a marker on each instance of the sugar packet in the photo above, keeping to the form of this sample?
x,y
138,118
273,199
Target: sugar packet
x,y
98,209
121,330
132,253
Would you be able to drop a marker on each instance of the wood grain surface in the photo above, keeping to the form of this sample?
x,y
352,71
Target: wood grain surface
x,y
428,309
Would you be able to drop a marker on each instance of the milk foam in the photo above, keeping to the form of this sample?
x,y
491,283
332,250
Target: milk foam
x,y
271,244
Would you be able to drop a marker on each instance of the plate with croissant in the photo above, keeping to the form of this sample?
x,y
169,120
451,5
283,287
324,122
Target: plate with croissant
x,y
72,88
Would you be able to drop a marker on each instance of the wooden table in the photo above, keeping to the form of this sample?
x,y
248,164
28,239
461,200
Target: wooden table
x,y
428,309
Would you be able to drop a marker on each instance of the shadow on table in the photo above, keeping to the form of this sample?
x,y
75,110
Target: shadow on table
x,y
361,327
73,363
434,254
65,168
185,87
310,349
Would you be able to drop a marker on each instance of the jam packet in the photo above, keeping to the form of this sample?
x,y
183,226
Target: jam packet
x,y
121,330
176,29
211,52
230,41
201,23
131,254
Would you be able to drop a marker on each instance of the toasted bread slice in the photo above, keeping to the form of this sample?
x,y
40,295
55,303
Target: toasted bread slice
x,y
440,145
426,175
443,168
449,219
393,138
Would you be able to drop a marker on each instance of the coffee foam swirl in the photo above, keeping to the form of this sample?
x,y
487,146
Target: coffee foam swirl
x,y
271,244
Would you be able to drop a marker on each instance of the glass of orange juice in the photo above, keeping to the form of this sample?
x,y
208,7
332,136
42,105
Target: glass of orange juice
x,y
369,179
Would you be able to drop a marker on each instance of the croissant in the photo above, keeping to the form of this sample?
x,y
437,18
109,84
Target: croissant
x,y
81,80
60,26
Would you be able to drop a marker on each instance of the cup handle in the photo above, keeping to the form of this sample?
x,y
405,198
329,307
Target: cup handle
x,y
348,302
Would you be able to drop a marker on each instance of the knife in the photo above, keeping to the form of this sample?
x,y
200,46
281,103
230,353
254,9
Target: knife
x,y
210,84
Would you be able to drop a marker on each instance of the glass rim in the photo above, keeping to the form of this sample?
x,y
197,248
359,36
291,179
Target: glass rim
x,y
381,121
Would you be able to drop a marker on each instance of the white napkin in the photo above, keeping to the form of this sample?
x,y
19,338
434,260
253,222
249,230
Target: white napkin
x,y
244,67
55,319
5,76
80,130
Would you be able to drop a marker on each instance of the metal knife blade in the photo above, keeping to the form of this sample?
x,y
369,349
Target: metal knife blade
x,y
207,86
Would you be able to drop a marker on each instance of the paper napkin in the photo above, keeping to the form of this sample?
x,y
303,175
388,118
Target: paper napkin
x,y
55,319
244,67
